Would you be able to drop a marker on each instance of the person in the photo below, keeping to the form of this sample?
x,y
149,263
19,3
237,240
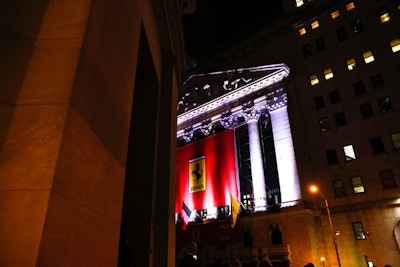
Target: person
x,y
309,265
189,259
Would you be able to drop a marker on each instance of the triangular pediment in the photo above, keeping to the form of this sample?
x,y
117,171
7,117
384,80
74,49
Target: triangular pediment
x,y
208,93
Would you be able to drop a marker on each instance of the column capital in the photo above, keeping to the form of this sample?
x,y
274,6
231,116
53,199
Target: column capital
x,y
251,114
277,102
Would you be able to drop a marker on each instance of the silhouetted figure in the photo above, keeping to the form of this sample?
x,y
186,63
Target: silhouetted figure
x,y
309,265
189,259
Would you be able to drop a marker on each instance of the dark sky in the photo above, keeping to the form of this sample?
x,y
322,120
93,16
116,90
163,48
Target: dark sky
x,y
218,24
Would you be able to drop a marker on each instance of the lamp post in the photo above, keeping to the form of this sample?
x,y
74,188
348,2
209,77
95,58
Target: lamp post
x,y
315,189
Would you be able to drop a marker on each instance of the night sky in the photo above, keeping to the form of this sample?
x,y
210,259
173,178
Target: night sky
x,y
219,24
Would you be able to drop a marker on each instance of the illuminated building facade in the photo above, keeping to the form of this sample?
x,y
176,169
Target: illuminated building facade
x,y
331,119
77,78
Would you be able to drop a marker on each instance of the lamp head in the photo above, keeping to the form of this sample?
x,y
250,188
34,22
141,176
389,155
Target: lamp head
x,y
314,188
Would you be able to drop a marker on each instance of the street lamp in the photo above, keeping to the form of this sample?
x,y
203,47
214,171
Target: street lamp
x,y
322,260
315,189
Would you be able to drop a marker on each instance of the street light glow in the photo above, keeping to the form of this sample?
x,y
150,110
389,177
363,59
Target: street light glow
x,y
314,188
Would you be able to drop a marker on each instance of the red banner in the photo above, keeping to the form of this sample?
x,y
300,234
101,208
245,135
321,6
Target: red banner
x,y
206,172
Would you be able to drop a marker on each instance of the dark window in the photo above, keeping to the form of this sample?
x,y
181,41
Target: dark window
x,y
320,44
307,50
338,186
341,34
359,88
334,96
340,119
385,104
377,81
387,179
357,26
331,157
366,110
324,124
377,145
319,102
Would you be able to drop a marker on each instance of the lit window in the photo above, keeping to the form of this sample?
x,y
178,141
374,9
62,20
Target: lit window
x,y
387,179
335,14
395,137
395,44
358,186
358,231
314,79
299,3
302,30
338,186
349,153
328,73
351,63
314,24
350,6
383,15
368,57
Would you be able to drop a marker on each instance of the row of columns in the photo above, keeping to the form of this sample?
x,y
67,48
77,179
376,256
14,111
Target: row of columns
x,y
284,150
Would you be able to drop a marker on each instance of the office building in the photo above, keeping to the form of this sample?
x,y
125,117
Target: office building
x,y
312,99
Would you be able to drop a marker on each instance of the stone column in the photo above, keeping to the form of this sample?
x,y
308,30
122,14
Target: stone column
x,y
285,157
257,168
